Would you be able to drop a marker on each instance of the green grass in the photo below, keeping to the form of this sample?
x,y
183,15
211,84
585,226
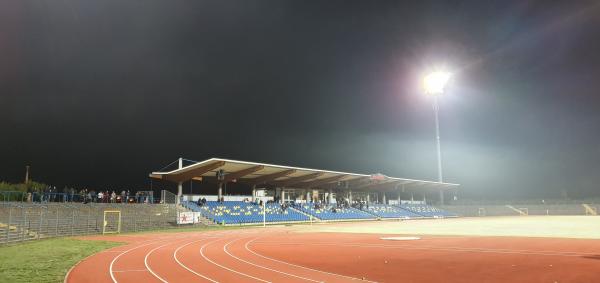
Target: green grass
x,y
45,260
49,260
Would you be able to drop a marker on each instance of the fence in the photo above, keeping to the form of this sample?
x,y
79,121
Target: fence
x,y
531,209
12,196
30,221
167,197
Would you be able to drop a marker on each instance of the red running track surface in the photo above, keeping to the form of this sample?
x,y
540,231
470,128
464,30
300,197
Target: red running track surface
x,y
282,255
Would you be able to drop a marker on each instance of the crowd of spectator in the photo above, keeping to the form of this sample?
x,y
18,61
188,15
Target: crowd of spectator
x,y
52,194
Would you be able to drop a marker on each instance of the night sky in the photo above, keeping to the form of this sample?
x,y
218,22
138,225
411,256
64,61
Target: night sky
x,y
100,93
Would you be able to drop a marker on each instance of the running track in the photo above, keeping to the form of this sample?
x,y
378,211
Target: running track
x,y
284,255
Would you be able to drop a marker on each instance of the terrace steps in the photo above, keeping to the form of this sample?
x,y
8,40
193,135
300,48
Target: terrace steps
x,y
304,213
589,210
519,211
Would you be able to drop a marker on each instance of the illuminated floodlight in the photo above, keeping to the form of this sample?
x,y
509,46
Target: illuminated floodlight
x,y
435,83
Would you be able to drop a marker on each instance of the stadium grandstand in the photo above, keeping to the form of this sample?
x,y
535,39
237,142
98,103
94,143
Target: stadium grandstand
x,y
293,194
276,194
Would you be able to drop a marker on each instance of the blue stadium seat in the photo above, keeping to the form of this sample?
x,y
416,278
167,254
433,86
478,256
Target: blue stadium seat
x,y
239,212
326,212
390,211
427,210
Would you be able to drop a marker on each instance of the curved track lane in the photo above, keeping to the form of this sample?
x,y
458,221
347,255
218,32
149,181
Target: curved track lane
x,y
281,255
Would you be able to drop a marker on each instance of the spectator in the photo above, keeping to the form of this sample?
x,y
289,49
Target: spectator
x,y
100,196
113,197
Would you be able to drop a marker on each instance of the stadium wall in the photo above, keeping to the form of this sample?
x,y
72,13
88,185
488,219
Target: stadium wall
x,y
529,209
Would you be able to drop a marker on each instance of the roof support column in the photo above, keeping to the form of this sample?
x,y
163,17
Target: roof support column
x,y
220,191
282,195
330,196
368,197
384,200
179,192
179,184
253,192
441,197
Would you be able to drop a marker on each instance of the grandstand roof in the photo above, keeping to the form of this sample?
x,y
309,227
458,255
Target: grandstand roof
x,y
270,175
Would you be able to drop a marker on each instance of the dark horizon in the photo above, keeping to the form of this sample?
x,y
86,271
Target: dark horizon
x,y
99,94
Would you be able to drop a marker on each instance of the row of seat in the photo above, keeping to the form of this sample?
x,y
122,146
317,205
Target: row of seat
x,y
238,212
427,210
390,211
329,212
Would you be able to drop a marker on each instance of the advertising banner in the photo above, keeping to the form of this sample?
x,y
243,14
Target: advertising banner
x,y
186,218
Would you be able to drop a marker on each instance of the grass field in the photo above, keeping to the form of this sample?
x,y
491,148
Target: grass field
x,y
45,260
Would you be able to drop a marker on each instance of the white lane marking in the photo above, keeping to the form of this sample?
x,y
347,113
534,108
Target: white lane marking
x,y
132,270
148,266
110,268
224,267
187,268
289,274
321,271
400,238
437,248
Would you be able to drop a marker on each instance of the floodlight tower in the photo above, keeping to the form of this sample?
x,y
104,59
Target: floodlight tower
x,y
435,84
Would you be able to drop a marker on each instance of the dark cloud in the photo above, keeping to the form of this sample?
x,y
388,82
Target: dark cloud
x,y
101,93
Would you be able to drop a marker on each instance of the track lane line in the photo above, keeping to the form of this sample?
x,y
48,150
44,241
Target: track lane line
x,y
132,270
263,267
187,268
148,266
304,267
110,268
225,267
437,248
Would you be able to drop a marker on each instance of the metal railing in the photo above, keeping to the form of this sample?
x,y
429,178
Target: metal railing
x,y
31,221
168,197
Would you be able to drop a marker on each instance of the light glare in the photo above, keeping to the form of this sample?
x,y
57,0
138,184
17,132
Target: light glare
x,y
436,82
